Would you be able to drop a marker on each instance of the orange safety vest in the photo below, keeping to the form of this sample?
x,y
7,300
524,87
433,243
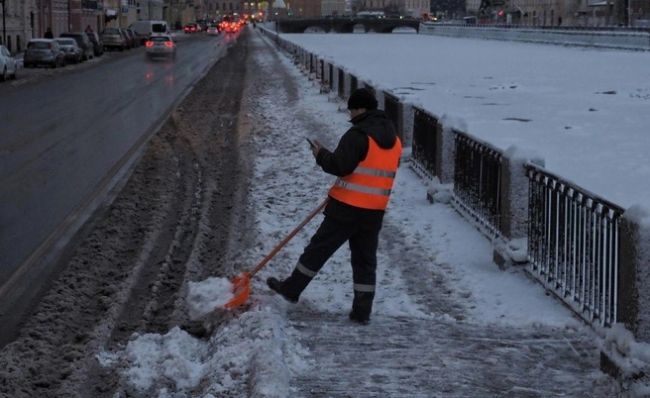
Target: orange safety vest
x,y
369,185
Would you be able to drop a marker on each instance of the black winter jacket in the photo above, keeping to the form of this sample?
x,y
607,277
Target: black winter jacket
x,y
352,149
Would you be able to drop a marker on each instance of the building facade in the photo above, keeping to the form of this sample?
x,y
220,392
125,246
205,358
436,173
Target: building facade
x,y
120,13
333,7
304,8
150,10
20,17
86,14
411,8
557,13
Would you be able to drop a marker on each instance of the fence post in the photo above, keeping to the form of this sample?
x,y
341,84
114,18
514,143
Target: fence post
x,y
514,193
445,137
393,109
379,95
347,85
408,115
633,297
513,222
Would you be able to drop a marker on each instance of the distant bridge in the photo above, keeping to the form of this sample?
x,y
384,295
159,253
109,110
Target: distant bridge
x,y
345,24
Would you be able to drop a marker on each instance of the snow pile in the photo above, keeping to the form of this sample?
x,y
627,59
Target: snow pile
x,y
439,193
205,296
255,344
175,356
631,357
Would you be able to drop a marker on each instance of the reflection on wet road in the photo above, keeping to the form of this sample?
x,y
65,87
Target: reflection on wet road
x,y
63,137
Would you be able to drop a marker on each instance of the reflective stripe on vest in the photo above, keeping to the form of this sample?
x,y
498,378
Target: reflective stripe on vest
x,y
369,185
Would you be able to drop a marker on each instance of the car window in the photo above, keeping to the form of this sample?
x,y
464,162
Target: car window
x,y
159,28
39,45
161,38
66,42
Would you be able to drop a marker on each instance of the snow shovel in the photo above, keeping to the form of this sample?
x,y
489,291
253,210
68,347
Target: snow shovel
x,y
241,284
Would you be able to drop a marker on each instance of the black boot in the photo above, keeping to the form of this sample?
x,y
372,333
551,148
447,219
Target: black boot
x,y
292,287
279,287
362,307
354,317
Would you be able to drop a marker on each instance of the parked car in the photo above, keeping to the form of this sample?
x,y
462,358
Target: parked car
x,y
83,42
8,64
114,38
160,46
133,38
43,52
70,49
98,46
144,30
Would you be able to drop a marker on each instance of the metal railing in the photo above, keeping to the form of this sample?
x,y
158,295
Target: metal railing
x,y
573,245
425,144
477,180
391,107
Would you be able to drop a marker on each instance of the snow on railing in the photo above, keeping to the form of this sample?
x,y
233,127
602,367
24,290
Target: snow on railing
x,y
573,245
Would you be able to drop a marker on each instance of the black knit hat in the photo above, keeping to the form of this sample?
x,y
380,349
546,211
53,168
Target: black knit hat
x,y
362,98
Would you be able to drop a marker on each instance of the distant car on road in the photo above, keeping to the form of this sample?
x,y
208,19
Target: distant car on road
x,y
70,49
191,28
213,30
8,64
145,29
43,52
160,46
83,42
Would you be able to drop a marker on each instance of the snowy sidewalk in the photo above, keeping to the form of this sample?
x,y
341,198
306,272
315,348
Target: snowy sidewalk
x,y
446,321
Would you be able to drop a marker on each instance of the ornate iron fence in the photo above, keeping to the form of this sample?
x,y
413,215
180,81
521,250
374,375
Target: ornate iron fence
x,y
477,180
391,107
425,144
573,245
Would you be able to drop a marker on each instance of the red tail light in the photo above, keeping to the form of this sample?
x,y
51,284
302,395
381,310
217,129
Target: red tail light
x,y
169,44
148,44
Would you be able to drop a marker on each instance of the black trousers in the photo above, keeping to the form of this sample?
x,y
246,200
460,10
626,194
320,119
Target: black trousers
x,y
362,235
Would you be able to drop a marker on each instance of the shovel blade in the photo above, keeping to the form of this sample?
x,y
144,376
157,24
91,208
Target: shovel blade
x,y
241,289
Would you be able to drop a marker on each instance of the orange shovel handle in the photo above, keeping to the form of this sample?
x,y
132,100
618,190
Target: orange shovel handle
x,y
284,241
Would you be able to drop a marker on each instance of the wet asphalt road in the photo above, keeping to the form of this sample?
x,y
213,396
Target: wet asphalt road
x,y
63,136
